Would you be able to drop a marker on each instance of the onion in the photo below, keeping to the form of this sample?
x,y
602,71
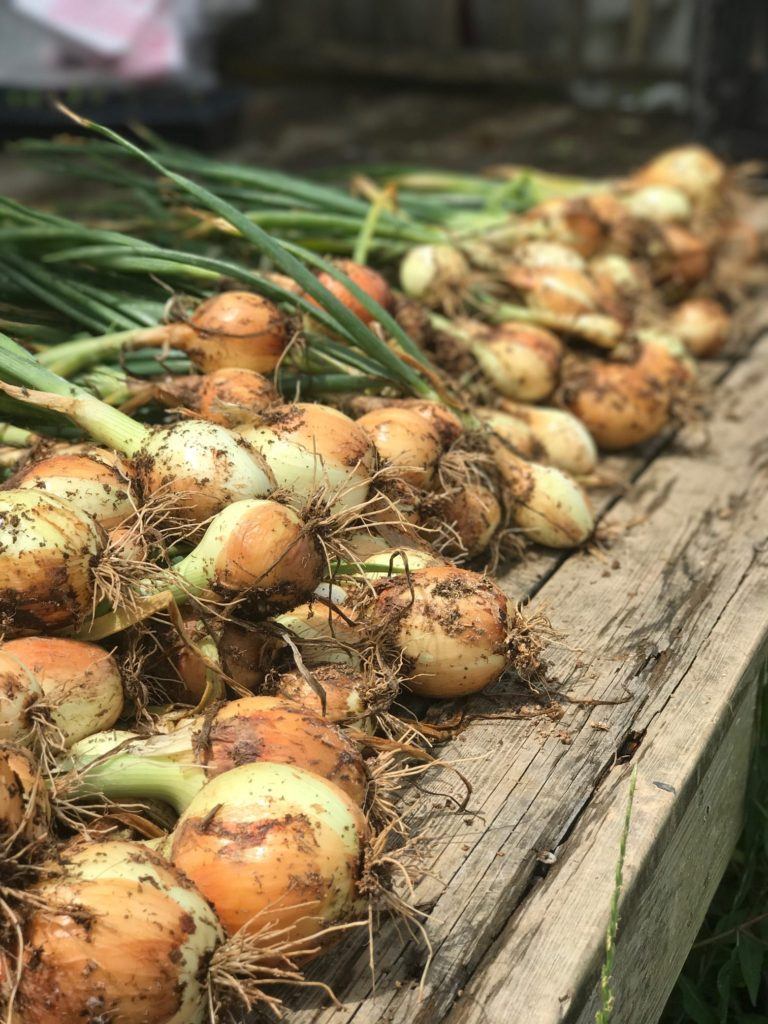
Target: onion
x,y
537,254
405,441
116,934
557,437
545,503
661,204
313,449
624,404
470,510
25,813
522,361
229,396
343,689
573,222
96,480
703,325
270,843
444,420
562,291
367,280
685,259
621,283
434,274
78,685
48,549
258,552
450,627
665,354
323,635
237,329
692,169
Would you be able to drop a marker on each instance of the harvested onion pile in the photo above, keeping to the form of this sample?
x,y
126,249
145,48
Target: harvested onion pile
x,y
225,604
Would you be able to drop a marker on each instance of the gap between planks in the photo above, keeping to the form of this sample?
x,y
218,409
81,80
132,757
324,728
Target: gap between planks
x,y
638,627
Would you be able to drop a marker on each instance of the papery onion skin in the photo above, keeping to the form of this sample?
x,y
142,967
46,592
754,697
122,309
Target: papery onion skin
x,y
25,812
268,843
520,360
203,466
434,274
703,325
537,254
561,291
449,625
444,420
20,690
259,552
342,688
233,396
692,168
661,204
323,634
405,441
315,449
237,329
545,503
473,512
48,549
685,259
96,480
80,683
273,729
557,437
367,280
122,936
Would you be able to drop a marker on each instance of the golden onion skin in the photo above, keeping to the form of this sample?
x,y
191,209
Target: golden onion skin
x,y
341,685
273,844
121,936
406,441
473,512
25,811
703,325
96,480
281,731
233,329
367,280
520,360
232,396
449,625
80,682
48,549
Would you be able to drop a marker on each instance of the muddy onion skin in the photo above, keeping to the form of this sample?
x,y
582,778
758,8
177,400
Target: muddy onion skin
x,y
520,360
449,626
79,683
557,438
447,424
96,480
314,449
281,731
342,688
260,552
48,549
273,844
546,504
406,441
122,936
367,280
433,273
231,396
703,325
237,329
25,813
473,512
203,465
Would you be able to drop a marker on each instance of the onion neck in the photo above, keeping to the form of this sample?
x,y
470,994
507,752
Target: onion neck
x,y
70,357
131,776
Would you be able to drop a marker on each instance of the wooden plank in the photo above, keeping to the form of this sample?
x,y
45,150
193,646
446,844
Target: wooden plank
x,y
686,545
692,770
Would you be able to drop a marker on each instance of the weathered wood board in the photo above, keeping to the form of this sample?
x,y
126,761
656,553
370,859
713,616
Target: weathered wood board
x,y
666,627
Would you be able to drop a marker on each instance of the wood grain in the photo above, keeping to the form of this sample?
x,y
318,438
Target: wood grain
x,y
688,540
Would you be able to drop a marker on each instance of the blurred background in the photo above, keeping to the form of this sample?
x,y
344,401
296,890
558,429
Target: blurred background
x,y
582,85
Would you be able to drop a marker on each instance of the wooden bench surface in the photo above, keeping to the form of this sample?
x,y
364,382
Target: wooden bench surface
x,y
664,631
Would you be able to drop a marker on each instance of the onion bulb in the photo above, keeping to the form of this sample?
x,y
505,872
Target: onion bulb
x,y
273,844
434,274
96,480
537,254
444,420
684,259
258,552
237,329
25,813
77,685
229,396
405,441
314,449
557,437
323,635
343,689
522,361
449,626
693,169
545,503
367,280
661,204
116,933
703,325
48,550
472,514
620,282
